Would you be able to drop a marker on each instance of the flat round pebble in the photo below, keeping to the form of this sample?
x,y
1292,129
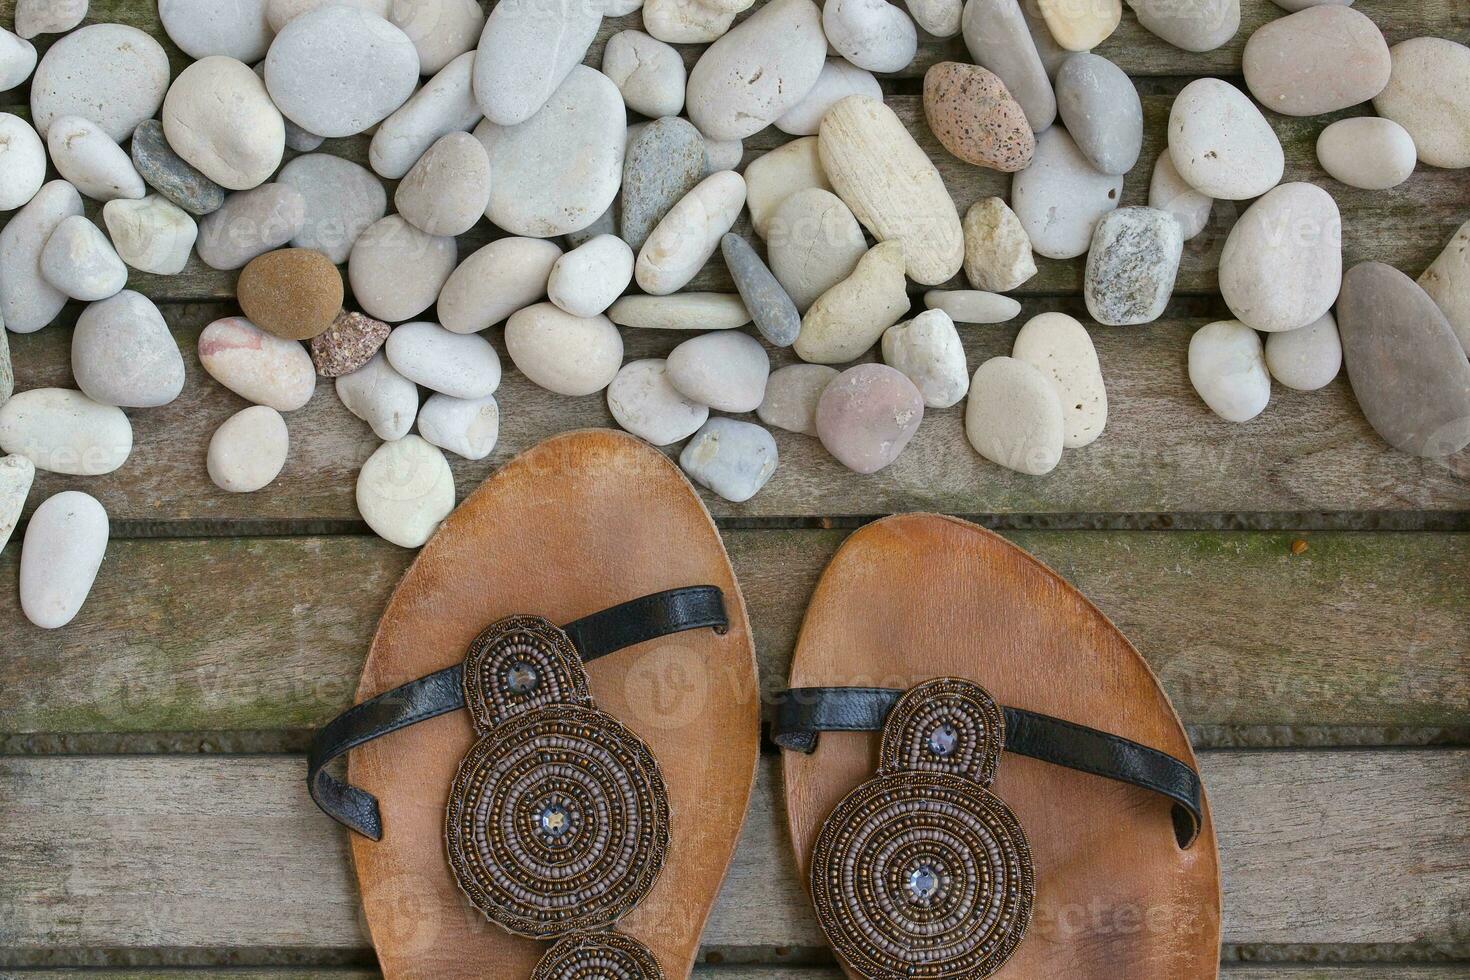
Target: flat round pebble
x,y
1221,144
249,224
839,79
27,301
1227,367
998,256
867,415
294,293
973,305
380,396
112,74
507,275
726,370
1277,281
565,354
590,278
928,351
1167,191
969,111
1367,152
248,451
1014,416
1102,111
772,310
338,71
257,366
462,365
123,354
1428,93
644,402
648,72
405,490
872,34
1307,358
681,311
16,476
813,242
219,118
735,459
170,174
64,431
151,235
441,30
1061,349
447,191
751,76
1319,60
792,395
22,162
235,29
467,427
1061,197
1132,265
81,262
95,165
664,162
446,104
397,271
65,543
342,199
348,344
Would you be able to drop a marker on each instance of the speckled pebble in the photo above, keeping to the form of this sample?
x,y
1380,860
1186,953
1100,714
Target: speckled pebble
x,y
972,114
1132,266
348,344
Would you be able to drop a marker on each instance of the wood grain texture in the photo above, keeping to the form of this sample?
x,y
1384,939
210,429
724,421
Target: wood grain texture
x,y
228,852
1362,629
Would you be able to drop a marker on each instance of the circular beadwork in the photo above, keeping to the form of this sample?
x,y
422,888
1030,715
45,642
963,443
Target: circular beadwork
x,y
922,874
520,664
598,956
558,821
947,725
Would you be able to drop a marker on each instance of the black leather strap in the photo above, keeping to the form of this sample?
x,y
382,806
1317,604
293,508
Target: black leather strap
x,y
624,625
803,713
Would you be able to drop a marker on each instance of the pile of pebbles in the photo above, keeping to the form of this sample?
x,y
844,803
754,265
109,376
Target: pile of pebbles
x,y
607,221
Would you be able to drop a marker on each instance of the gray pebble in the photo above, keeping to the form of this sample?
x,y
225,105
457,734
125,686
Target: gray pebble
x,y
249,224
999,39
663,163
792,394
80,261
734,459
343,200
1101,109
726,370
772,310
123,354
1132,265
168,173
297,138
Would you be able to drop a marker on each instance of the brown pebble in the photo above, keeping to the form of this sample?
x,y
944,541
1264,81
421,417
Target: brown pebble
x,y
348,344
1298,546
294,293
971,112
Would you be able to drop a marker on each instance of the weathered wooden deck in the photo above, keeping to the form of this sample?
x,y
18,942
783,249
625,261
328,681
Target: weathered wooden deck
x,y
153,815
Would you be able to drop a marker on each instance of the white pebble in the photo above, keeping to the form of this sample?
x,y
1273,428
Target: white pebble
x,y
257,366
405,490
588,279
81,262
1228,369
1014,417
462,365
839,79
342,199
380,396
237,29
648,72
220,119
64,431
16,476
112,74
872,34
123,353
17,60
507,275
726,370
441,30
249,450
397,271
1221,144
63,550
928,351
1168,191
95,165
1061,349
734,459
447,191
152,235
1307,358
973,305
1367,152
33,17
467,427
445,105
688,235
27,301
566,354
22,162
644,402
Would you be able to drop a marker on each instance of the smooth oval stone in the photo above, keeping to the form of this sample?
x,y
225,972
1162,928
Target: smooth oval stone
x,y
405,490
726,370
972,114
17,60
337,70
1307,358
342,201
681,311
1428,94
1367,152
664,162
734,459
837,81
527,51
443,106
1282,264
112,74
235,29
892,187
220,119
1081,26
1221,144
123,354
1061,349
467,427
1132,265
22,162
256,366
248,451
569,355
973,305
998,37
1102,112
397,271
590,278
27,301
279,13
848,319
872,34
1408,370
380,396
16,476
461,365
648,72
33,17
1317,61
249,224
151,235
792,395
294,293
65,543
685,21
558,171
1447,281
170,174
348,344
1061,197
813,243
998,255
64,431
773,311
928,351
687,236
644,402
774,176
1200,25
750,77
1168,191
507,275
1227,367
95,165
80,261
441,30
867,415
447,191
1014,416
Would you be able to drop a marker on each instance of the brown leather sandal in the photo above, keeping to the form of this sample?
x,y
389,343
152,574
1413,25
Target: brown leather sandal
x,y
581,813
983,777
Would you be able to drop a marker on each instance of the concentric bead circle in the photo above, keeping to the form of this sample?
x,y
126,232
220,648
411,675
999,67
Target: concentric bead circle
x,y
946,725
520,664
598,956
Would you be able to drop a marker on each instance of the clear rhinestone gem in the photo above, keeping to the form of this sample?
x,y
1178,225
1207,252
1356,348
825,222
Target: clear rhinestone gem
x,y
923,883
942,740
554,821
522,678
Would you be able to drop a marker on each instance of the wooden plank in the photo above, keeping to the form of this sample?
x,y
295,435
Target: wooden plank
x,y
749,972
1163,451
1363,630
228,852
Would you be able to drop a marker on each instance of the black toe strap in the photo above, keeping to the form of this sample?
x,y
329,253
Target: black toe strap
x,y
597,635
803,713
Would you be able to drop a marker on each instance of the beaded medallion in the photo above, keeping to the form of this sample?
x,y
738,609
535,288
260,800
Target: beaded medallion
x,y
600,956
921,871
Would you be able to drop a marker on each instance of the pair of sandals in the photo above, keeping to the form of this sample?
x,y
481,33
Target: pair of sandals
x,y
982,777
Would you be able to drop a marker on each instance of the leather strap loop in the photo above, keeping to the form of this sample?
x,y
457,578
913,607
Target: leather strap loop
x,y
597,635
803,713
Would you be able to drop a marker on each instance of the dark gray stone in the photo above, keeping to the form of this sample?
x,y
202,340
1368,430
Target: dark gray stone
x,y
1409,372
166,172
663,163
774,313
